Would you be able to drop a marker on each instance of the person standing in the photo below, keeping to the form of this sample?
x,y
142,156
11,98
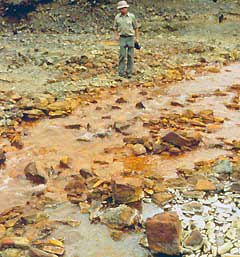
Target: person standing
x,y
126,32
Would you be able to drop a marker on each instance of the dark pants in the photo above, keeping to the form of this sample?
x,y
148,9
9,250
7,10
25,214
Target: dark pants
x,y
126,49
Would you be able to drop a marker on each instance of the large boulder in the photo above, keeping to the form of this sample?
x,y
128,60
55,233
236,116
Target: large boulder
x,y
164,233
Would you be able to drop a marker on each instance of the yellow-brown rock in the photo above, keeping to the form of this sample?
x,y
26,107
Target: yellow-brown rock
x,y
164,233
127,189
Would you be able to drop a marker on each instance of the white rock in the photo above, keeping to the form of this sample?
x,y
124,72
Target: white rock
x,y
226,227
207,246
235,251
230,255
214,251
199,222
232,234
225,248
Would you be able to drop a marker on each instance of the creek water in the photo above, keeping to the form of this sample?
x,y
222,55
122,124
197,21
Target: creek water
x,y
49,140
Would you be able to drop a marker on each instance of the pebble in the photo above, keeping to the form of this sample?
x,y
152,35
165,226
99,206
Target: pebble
x,y
235,251
225,248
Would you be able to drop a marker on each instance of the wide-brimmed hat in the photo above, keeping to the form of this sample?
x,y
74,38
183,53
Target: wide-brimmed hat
x,y
122,4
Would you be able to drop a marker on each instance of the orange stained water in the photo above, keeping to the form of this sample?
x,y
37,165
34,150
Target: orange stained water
x,y
49,140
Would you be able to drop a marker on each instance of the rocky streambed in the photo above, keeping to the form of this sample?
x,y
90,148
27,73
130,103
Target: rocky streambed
x,y
137,170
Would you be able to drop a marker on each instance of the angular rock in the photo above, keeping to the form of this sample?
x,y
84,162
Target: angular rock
x,y
194,240
225,248
164,233
35,174
117,235
223,166
195,138
54,249
85,173
139,149
204,185
176,139
33,114
120,217
140,105
127,189
15,242
65,162
60,106
34,252
162,198
76,190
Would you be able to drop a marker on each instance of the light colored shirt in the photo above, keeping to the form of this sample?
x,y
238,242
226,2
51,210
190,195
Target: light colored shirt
x,y
125,25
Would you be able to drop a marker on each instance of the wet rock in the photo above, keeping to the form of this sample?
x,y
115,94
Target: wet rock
x,y
73,126
2,156
61,106
65,162
133,140
85,173
127,189
76,190
162,198
213,69
194,240
35,252
52,249
15,242
120,217
195,138
176,139
35,173
121,100
204,185
140,105
86,137
139,149
177,103
84,207
144,242
121,126
164,233
94,209
116,235
33,114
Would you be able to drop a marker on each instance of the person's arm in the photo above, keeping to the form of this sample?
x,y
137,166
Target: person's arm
x,y
116,34
136,34
135,26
